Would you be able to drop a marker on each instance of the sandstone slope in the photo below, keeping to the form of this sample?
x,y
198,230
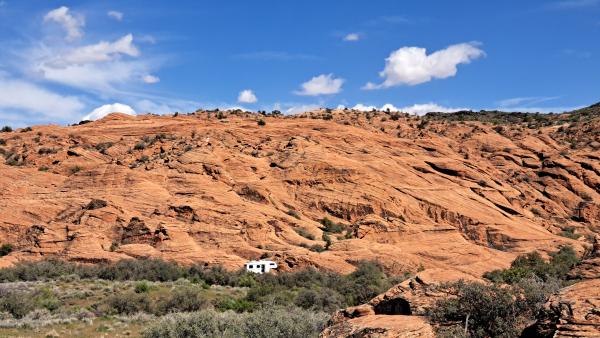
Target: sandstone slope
x,y
414,193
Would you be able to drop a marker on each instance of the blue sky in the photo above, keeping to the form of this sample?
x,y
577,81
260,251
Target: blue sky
x,y
60,60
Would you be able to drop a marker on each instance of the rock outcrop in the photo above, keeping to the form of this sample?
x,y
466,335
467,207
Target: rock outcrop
x,y
573,312
413,193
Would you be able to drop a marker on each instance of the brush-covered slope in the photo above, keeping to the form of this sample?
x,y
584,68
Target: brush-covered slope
x,y
439,192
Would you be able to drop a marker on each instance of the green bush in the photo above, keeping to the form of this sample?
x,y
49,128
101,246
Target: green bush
x,y
289,322
317,248
330,226
128,303
302,232
321,299
6,129
261,122
141,287
492,310
5,249
17,303
186,299
235,304
293,213
533,265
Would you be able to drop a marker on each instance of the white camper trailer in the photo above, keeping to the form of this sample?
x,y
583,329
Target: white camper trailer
x,y
260,267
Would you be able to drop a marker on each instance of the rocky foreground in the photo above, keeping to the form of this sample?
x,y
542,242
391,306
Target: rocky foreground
x,y
449,196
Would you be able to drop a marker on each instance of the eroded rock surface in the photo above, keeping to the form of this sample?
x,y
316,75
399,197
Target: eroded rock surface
x,y
461,197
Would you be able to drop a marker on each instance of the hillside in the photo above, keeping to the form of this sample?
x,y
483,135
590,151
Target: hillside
x,y
452,194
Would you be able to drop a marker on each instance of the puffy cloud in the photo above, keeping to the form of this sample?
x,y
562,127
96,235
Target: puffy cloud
x,y
115,15
73,25
148,78
416,109
30,98
298,109
247,96
321,85
106,109
363,107
352,37
412,66
422,109
390,107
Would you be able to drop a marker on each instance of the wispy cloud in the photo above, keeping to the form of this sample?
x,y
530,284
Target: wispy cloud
x,y
271,55
525,101
72,24
115,15
388,20
580,54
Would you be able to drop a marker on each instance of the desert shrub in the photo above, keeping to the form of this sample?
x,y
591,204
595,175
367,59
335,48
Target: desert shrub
x,y
32,271
186,299
327,240
235,304
17,303
26,129
321,299
43,168
128,303
141,287
139,146
261,122
569,232
533,265
302,232
5,249
293,213
215,275
103,147
6,129
317,248
330,226
366,282
141,269
492,310
45,298
288,322
74,170
2,142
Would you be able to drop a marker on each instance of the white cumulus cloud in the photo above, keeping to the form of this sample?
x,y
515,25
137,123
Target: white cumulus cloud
x,y
115,15
416,109
247,96
424,108
363,107
72,24
352,37
412,65
149,78
321,85
106,109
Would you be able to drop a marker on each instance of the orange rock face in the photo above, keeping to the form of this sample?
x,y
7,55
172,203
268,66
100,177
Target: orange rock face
x,y
447,197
